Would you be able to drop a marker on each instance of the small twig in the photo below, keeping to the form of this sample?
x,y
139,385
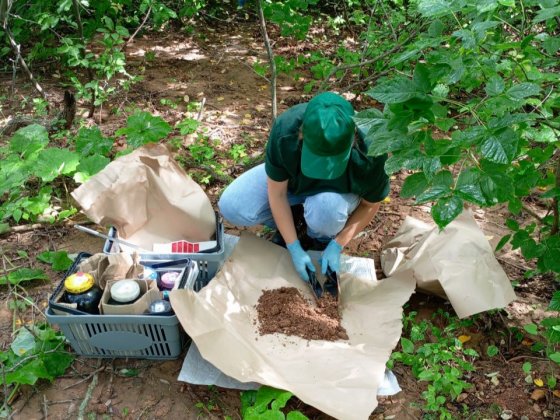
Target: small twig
x,y
84,379
89,392
513,359
519,267
532,213
45,406
202,103
34,226
129,41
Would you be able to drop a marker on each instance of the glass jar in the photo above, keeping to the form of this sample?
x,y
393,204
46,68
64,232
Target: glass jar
x,y
80,288
124,292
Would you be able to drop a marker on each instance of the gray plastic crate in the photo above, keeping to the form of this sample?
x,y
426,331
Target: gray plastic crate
x,y
113,336
133,336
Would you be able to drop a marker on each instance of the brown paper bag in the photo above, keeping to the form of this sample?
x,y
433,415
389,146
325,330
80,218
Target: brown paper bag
x,y
457,263
148,197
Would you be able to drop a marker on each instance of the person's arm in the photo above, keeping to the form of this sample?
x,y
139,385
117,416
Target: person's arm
x,y
278,200
359,219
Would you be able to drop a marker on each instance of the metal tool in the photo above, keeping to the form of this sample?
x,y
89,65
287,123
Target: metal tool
x,y
101,235
314,284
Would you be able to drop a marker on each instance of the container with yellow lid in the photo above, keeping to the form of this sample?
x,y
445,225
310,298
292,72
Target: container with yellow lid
x,y
80,288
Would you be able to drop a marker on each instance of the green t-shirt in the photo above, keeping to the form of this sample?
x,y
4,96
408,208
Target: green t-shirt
x,y
365,175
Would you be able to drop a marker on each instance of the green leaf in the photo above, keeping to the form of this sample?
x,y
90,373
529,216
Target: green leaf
x,y
28,373
23,274
89,166
4,227
495,86
387,141
508,3
58,259
555,357
53,162
23,343
366,120
505,239
296,415
29,140
421,77
492,351
444,124
142,128
551,45
56,363
407,345
523,90
446,210
550,258
414,185
466,37
545,14
500,148
469,188
426,375
394,91
90,141
441,185
554,304
531,329
527,367
436,8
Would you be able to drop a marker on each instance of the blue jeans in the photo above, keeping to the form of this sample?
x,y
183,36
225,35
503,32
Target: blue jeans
x,y
245,203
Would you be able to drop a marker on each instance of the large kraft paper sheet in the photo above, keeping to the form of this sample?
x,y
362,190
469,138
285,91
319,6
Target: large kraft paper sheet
x,y
339,378
457,263
148,197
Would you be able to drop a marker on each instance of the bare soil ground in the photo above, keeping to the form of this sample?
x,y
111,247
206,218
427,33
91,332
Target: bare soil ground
x,y
216,64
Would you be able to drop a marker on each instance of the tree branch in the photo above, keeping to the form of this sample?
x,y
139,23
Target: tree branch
x,y
88,70
5,6
270,59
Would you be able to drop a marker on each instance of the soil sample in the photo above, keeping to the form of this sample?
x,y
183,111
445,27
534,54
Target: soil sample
x,y
286,311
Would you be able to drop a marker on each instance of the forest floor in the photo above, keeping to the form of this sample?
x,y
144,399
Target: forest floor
x,y
216,64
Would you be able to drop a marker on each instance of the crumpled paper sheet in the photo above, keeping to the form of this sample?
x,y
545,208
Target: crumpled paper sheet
x,y
339,378
148,197
457,263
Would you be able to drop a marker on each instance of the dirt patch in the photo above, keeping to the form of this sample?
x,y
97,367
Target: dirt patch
x,y
286,311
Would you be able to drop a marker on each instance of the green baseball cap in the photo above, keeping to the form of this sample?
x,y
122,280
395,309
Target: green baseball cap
x,y
328,133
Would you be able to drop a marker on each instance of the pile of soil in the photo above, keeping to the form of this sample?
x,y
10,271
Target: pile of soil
x,y
286,311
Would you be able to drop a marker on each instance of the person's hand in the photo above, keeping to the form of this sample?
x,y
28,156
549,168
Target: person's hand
x,y
301,259
331,257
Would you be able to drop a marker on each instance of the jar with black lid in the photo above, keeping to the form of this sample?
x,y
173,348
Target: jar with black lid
x,y
80,288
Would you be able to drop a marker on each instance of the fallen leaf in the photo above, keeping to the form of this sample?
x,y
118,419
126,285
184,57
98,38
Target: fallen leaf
x,y
556,393
538,394
386,200
221,98
247,115
527,342
538,382
464,338
495,381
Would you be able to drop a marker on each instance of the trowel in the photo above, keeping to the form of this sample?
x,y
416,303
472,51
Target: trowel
x,y
330,285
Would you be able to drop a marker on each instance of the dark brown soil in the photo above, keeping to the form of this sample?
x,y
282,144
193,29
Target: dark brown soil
x,y
286,311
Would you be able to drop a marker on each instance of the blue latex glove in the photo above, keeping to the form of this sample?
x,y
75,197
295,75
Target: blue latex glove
x,y
301,259
331,257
